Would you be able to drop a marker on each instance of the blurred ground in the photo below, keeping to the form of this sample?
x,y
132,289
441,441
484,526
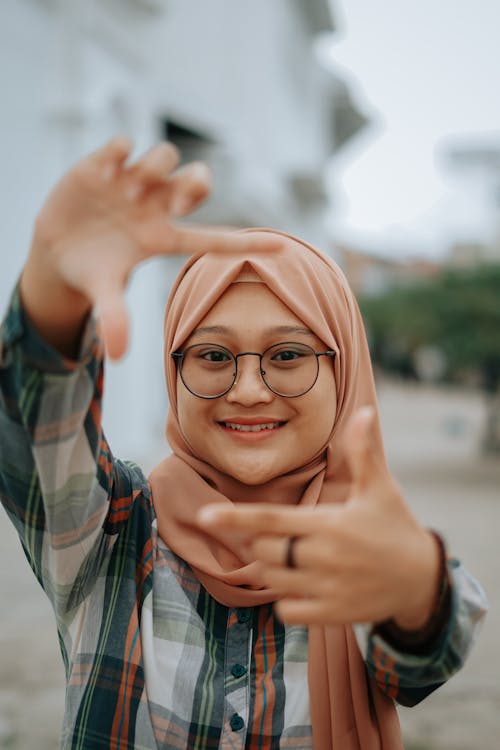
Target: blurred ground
x,y
432,439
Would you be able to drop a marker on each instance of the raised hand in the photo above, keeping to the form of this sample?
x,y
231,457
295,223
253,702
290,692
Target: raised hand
x,y
104,217
365,561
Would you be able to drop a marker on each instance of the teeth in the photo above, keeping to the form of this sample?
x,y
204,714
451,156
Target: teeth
x,y
251,427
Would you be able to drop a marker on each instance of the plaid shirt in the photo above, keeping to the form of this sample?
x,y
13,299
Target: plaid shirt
x,y
152,660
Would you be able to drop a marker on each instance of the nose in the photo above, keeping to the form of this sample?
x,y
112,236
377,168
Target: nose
x,y
249,387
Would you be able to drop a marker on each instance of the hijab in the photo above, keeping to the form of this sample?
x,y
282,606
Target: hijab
x,y
348,710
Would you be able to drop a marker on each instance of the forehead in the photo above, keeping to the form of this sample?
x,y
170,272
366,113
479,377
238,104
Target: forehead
x,y
251,312
250,302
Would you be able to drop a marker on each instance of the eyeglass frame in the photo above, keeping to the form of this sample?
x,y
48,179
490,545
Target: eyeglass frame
x,y
178,357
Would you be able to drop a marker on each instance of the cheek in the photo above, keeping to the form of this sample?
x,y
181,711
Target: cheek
x,y
323,411
187,414
194,416
323,421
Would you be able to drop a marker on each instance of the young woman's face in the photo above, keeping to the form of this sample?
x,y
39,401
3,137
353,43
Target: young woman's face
x,y
250,318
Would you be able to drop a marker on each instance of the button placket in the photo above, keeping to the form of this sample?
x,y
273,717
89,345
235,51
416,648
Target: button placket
x,y
236,684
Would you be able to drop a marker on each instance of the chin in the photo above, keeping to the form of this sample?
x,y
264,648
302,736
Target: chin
x,y
251,476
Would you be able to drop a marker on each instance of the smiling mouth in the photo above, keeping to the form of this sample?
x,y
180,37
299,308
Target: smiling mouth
x,y
265,426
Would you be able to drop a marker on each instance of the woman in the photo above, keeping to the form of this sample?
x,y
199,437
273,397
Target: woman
x,y
164,601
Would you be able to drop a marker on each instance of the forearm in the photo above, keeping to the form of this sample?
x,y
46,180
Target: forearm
x,y
410,677
57,311
51,482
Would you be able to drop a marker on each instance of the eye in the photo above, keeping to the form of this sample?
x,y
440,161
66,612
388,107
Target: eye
x,y
214,355
289,353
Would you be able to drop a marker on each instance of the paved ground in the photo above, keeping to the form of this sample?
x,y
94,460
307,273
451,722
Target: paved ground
x,y
431,438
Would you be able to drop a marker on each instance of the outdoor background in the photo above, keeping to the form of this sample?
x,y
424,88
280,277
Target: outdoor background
x,y
371,130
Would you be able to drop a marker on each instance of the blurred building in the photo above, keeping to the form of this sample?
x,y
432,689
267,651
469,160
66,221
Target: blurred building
x,y
476,168
370,274
237,84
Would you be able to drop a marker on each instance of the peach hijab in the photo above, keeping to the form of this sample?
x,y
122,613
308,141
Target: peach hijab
x,y
348,711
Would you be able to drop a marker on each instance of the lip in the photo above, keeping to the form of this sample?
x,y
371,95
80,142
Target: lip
x,y
251,436
259,419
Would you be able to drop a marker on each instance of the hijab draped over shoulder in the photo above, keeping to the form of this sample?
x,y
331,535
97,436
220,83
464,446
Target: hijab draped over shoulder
x,y
348,711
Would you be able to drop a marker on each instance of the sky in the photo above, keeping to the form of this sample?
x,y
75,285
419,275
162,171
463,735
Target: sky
x,y
428,74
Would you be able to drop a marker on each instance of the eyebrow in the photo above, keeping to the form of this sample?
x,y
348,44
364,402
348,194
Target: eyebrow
x,y
226,330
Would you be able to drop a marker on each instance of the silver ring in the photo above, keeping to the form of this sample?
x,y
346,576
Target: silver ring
x,y
290,558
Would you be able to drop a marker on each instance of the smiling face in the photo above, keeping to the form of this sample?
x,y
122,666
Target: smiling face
x,y
251,433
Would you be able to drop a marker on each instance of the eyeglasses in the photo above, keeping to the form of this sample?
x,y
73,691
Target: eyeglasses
x,y
288,369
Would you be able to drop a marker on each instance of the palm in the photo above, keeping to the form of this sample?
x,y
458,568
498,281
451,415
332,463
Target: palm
x,y
100,229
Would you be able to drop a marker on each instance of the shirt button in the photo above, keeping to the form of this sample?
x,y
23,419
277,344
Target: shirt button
x,y
238,670
244,615
236,723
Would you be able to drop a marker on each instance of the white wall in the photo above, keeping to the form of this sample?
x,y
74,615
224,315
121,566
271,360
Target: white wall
x,y
26,168
64,93
248,68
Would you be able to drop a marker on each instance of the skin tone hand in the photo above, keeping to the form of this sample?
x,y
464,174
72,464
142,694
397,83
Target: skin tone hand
x,y
365,561
104,217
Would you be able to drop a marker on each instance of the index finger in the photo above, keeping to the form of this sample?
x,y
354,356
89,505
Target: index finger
x,y
113,154
264,519
190,240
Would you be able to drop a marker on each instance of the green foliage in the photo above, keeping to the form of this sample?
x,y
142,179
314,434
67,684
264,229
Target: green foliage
x,y
457,312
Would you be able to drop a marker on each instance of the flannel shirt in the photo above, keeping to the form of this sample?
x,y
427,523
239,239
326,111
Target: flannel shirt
x,y
152,661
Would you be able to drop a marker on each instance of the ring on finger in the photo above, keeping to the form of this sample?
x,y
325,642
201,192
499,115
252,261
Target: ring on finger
x,y
290,561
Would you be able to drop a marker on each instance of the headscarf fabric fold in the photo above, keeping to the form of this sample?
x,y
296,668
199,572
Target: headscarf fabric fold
x,y
348,710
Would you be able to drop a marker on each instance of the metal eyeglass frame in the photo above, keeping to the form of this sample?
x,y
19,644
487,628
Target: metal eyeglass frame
x,y
178,357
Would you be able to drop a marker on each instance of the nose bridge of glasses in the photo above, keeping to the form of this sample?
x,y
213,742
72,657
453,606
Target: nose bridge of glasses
x,y
251,366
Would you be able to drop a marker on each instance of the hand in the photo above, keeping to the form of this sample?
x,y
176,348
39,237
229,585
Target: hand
x,y
365,561
103,218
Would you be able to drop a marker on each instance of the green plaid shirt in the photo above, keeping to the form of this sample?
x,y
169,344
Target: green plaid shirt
x,y
152,660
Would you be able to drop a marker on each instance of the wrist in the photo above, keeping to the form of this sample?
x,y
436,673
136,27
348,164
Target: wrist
x,y
425,590
57,311
403,633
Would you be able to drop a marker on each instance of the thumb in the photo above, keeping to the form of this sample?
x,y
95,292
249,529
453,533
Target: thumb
x,y
360,445
114,321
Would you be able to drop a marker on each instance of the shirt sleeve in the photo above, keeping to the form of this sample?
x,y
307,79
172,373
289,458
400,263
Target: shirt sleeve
x,y
60,485
409,678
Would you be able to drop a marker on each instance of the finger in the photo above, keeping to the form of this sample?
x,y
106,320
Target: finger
x,y
190,240
113,316
112,155
268,520
291,582
187,188
361,449
155,166
167,239
273,550
317,553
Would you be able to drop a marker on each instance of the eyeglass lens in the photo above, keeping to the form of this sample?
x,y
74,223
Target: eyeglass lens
x,y
288,369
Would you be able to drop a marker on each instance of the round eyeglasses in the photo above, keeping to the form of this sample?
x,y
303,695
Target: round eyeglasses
x,y
288,369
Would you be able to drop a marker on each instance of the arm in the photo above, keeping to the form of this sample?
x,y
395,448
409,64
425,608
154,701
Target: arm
x,y
58,480
409,674
59,483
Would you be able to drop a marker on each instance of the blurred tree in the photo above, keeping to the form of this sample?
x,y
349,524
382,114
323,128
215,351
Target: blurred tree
x,y
456,314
